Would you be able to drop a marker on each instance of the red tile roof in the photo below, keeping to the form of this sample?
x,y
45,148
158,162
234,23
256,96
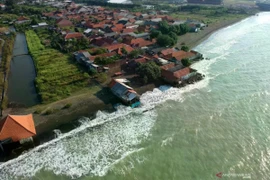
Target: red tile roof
x,y
174,76
140,42
132,20
141,60
75,35
179,55
119,46
166,52
117,28
102,41
64,23
168,66
22,18
17,127
128,30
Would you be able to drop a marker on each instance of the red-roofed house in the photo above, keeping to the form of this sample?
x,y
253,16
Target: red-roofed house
x,y
128,30
102,41
22,19
140,42
117,28
179,55
174,77
63,23
17,127
114,47
166,52
75,35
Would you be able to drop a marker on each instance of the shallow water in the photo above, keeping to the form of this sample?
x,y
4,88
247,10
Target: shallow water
x,y
220,124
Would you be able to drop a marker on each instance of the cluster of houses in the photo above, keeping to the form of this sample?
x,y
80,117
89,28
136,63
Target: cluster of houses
x,y
119,32
115,30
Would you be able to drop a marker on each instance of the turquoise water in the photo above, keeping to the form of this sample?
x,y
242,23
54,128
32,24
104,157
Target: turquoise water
x,y
221,124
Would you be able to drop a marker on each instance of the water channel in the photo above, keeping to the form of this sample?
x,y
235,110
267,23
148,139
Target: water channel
x,y
21,87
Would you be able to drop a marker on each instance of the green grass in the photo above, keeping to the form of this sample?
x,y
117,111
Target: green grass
x,y
57,76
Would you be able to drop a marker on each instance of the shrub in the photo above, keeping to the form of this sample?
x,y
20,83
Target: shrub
x,y
50,111
68,105
38,111
102,77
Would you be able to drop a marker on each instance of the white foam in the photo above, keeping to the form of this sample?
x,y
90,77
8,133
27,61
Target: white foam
x,y
84,151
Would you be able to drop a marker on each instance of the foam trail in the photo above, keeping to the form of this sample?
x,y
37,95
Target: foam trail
x,y
86,152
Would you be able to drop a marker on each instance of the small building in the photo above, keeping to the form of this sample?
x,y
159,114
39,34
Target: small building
x,y
87,31
22,20
2,6
176,56
74,35
174,75
17,128
124,92
82,56
64,23
43,24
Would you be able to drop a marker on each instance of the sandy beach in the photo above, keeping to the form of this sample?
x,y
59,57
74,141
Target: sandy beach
x,y
193,39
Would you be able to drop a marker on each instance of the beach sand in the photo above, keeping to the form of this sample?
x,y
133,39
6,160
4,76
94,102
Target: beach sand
x,y
193,39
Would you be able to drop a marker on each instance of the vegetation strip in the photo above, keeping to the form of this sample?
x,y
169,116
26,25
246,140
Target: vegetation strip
x,y
57,76
5,67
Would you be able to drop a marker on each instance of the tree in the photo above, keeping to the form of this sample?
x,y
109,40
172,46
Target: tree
x,y
124,51
185,48
174,37
155,34
186,62
165,40
134,54
164,27
149,71
99,51
184,28
34,22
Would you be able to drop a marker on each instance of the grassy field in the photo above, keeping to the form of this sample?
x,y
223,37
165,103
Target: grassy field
x,y
57,76
233,2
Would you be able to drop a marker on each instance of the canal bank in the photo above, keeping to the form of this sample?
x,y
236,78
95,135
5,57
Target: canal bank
x,y
21,86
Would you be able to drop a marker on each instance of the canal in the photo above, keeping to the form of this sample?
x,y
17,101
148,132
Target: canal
x,y
21,87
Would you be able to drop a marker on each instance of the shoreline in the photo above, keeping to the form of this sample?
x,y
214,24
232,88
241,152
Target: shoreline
x,y
87,104
194,39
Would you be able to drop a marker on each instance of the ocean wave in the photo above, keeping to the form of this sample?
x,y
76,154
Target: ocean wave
x,y
132,126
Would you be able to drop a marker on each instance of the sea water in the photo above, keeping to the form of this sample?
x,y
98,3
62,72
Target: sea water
x,y
219,126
